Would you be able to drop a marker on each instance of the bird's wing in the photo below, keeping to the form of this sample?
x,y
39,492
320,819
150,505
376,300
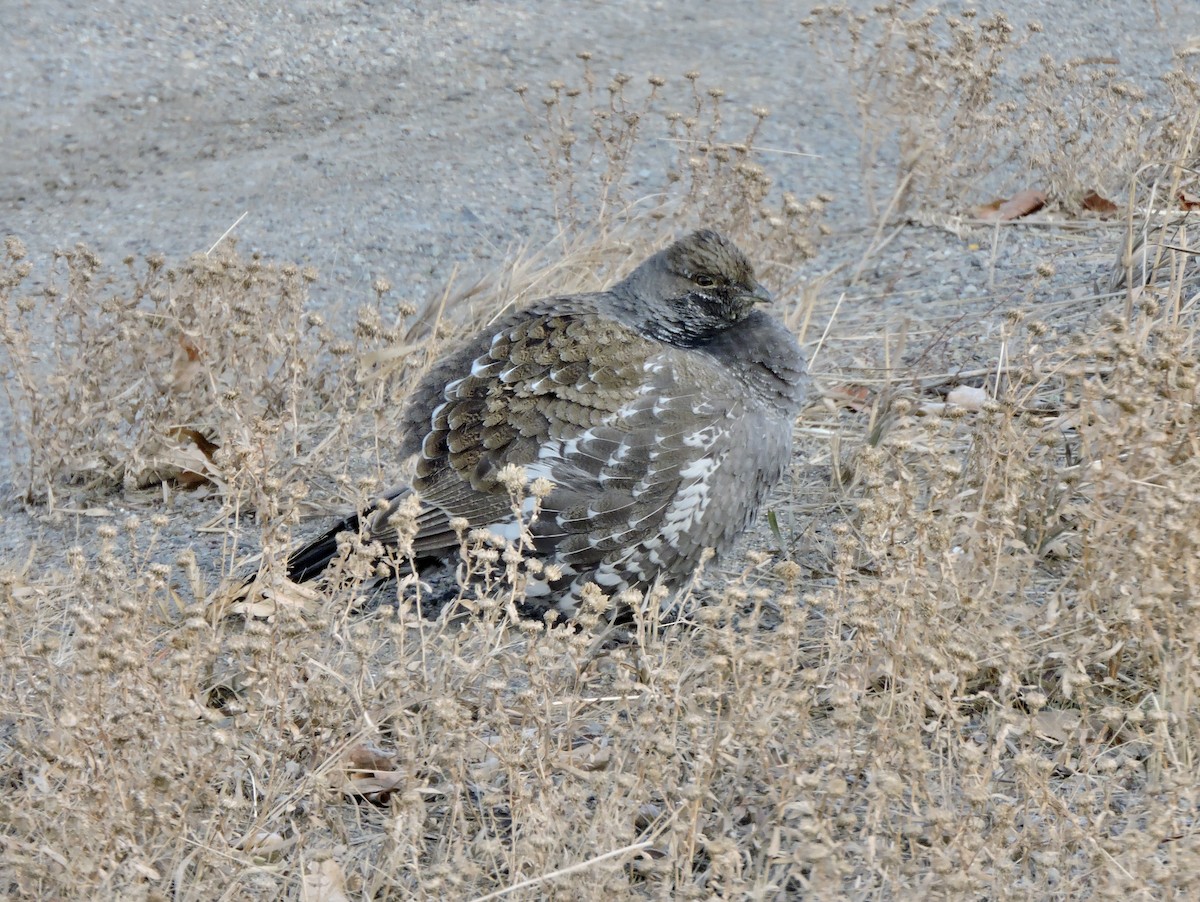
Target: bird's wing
x,y
541,375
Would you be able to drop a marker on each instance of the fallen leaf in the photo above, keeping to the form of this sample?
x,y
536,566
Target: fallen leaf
x,y
185,457
1189,201
371,774
265,845
261,599
856,397
187,364
1020,204
189,479
967,397
198,438
324,882
376,787
587,754
1094,203
1056,725
368,757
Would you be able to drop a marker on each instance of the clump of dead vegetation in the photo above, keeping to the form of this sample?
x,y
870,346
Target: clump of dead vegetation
x,y
159,375
593,135
968,675
952,111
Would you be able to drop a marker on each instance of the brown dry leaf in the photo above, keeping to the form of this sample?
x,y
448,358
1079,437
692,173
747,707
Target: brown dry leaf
x,y
589,752
1189,201
369,757
186,366
376,787
370,774
986,211
185,457
266,845
261,601
1056,725
854,397
324,882
1095,203
191,478
1020,204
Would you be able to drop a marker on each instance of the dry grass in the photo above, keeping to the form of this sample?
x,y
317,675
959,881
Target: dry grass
x,y
941,122
967,670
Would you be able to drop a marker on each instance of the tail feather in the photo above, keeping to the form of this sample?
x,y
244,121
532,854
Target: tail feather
x,y
434,541
308,561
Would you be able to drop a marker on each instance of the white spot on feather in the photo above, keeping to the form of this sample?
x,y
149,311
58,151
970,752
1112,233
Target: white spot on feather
x,y
479,366
702,438
536,587
686,510
606,577
510,530
543,468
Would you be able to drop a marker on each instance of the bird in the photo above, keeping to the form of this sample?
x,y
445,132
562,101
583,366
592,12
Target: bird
x,y
657,415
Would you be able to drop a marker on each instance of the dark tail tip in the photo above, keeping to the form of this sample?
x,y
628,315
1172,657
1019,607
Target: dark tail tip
x,y
309,561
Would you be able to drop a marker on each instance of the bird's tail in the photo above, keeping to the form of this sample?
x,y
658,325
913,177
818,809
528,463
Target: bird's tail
x,y
434,542
309,561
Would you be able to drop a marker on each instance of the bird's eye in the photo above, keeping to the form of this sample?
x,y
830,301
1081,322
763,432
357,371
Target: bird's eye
x,y
705,281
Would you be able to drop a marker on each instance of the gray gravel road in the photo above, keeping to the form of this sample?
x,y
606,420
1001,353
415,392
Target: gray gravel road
x,y
382,138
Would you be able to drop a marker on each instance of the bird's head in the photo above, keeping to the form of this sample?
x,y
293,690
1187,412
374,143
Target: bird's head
x,y
695,289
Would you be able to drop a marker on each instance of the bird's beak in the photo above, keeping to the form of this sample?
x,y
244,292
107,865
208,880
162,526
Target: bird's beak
x,y
761,295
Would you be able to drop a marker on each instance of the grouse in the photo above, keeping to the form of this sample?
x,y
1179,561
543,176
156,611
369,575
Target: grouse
x,y
660,411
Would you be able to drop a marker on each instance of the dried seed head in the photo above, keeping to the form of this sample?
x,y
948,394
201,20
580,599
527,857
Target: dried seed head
x,y
14,248
512,478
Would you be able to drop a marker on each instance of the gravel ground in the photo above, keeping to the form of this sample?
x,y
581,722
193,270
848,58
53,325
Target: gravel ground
x,y
383,139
